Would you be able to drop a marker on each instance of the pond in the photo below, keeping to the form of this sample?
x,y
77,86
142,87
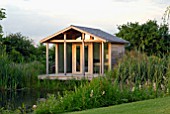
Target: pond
x,y
13,99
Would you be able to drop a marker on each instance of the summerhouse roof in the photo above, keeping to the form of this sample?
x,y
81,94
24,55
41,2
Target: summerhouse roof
x,y
102,34
92,31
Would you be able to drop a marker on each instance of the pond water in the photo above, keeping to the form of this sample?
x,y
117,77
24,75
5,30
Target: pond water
x,y
28,97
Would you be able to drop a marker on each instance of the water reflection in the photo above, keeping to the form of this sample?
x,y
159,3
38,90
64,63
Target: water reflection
x,y
14,99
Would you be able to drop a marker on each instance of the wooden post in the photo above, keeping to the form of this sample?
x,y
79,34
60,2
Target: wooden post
x,y
83,55
47,58
65,58
110,56
91,58
56,58
102,58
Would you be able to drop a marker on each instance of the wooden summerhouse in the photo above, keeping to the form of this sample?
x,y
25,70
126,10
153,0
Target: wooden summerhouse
x,y
82,52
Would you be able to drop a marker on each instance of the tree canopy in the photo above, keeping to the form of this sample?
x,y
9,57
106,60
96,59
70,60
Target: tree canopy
x,y
19,47
148,37
2,16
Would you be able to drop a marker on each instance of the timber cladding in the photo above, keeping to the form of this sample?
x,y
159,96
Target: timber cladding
x,y
117,52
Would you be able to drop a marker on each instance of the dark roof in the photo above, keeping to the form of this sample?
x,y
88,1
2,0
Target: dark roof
x,y
102,34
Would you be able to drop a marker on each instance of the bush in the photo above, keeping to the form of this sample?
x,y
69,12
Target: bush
x,y
136,77
98,93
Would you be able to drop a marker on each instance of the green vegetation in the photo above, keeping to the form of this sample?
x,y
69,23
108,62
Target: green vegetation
x,y
149,37
17,76
24,75
137,77
19,48
140,69
2,16
153,106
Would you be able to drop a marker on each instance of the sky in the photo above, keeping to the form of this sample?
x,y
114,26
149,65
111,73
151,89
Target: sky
x,y
38,19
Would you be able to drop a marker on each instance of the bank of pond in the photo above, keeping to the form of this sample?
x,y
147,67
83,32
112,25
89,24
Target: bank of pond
x,y
13,99
22,100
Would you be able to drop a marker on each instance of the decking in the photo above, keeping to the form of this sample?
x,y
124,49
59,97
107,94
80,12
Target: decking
x,y
67,76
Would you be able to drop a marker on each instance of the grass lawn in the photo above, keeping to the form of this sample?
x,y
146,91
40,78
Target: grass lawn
x,y
153,106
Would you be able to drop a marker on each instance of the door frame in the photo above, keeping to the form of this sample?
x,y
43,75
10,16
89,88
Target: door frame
x,y
74,58
74,45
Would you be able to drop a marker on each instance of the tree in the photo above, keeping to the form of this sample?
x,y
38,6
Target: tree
x,y
166,15
19,47
148,37
2,16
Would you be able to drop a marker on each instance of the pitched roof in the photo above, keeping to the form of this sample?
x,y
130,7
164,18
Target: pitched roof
x,y
93,31
102,34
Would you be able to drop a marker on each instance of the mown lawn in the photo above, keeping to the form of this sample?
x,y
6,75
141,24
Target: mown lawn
x,y
153,106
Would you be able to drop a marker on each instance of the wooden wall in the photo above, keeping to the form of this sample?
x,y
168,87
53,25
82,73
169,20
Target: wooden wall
x,y
117,52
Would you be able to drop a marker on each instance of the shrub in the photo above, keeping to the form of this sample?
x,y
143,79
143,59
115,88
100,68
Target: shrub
x,y
136,77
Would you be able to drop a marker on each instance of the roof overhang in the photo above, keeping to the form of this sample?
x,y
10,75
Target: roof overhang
x,y
66,29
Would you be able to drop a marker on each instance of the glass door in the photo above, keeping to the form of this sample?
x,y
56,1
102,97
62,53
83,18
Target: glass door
x,y
86,48
78,58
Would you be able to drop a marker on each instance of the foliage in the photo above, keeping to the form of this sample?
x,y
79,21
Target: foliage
x,y
165,17
20,110
2,13
138,68
25,75
3,111
19,47
59,85
153,106
41,53
41,56
130,81
100,92
14,76
2,16
149,37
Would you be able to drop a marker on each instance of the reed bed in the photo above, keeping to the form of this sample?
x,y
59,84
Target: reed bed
x,y
139,69
18,75
25,75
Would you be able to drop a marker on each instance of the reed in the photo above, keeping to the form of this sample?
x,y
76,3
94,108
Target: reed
x,y
138,68
18,75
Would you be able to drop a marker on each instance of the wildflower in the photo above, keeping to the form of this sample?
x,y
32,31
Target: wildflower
x,y
103,92
91,94
164,77
154,86
167,90
133,89
162,87
140,86
34,106
61,99
146,83
127,81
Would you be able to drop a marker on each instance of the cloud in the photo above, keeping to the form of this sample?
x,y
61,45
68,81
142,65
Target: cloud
x,y
40,18
32,24
124,0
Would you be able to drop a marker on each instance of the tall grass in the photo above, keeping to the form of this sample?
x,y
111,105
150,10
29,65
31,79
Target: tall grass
x,y
16,76
136,77
59,85
138,68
